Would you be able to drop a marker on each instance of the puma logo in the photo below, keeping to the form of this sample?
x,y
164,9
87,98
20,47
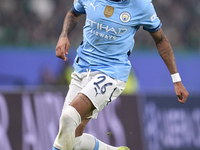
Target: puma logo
x,y
93,6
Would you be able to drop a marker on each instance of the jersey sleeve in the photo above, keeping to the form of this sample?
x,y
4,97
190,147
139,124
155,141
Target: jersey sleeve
x,y
78,7
150,20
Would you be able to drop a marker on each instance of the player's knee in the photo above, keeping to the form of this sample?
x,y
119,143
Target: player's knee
x,y
70,118
69,121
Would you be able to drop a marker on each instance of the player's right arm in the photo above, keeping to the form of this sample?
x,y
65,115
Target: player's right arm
x,y
70,22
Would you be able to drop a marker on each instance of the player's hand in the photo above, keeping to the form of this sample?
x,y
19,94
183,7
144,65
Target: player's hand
x,y
181,92
62,48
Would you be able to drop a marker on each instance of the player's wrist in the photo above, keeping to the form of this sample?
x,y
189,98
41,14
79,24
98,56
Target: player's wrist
x,y
63,34
176,77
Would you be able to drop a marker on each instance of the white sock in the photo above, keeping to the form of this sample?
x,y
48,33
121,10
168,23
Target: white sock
x,y
69,121
89,142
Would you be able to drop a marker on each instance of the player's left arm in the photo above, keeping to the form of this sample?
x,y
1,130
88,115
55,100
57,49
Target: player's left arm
x,y
166,52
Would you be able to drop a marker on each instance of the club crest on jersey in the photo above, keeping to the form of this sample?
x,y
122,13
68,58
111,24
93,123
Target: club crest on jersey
x,y
108,12
125,17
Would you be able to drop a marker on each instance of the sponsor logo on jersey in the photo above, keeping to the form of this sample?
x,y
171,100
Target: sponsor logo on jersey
x,y
125,17
108,12
105,31
75,1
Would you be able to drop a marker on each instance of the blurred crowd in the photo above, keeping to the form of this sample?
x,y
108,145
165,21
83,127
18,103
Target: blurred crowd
x,y
39,23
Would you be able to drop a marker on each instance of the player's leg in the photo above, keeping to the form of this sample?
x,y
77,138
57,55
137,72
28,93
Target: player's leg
x,y
80,108
69,113
80,129
87,141
74,112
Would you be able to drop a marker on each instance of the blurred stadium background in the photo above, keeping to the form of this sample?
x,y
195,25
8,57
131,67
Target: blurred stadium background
x,y
33,82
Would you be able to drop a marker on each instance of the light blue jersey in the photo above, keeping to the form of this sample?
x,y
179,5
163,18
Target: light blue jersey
x,y
108,34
